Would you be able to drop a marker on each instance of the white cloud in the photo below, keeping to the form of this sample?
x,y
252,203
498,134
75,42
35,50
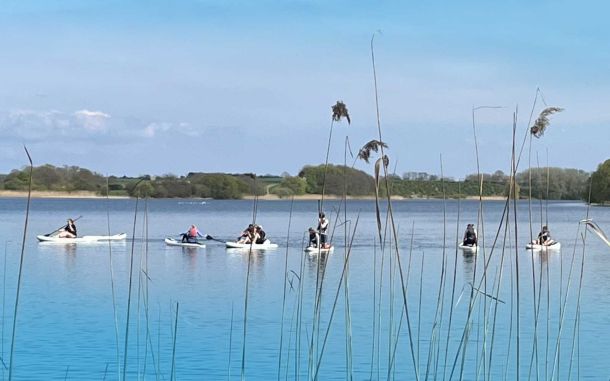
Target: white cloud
x,y
92,120
181,128
152,129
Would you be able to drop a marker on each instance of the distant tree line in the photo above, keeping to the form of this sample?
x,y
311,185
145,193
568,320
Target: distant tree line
x,y
554,183
50,178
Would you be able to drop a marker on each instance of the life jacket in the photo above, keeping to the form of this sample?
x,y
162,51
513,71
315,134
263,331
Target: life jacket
x,y
193,232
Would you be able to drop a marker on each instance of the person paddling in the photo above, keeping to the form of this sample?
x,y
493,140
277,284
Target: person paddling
x,y
322,228
249,235
544,237
191,235
470,236
68,231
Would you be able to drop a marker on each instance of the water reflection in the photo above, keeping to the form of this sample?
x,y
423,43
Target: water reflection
x,y
54,248
468,265
190,257
256,257
316,265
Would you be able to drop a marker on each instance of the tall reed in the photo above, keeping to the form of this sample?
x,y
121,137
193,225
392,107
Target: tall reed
x,y
22,256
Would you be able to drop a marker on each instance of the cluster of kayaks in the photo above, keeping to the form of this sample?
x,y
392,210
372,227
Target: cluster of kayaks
x,y
168,241
471,249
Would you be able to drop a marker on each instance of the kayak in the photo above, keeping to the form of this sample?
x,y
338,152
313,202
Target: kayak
x,y
257,246
536,247
83,239
173,242
314,250
471,249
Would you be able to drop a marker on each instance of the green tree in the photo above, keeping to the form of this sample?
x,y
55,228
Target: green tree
x,y
338,179
294,185
600,184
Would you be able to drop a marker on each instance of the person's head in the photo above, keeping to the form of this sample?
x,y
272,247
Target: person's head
x,y
70,221
311,231
193,227
259,227
321,215
544,228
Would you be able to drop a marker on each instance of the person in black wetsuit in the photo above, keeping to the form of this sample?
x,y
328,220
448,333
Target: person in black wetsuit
x,y
314,238
261,236
470,236
544,237
68,231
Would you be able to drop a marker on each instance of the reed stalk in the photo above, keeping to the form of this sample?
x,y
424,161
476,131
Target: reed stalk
x,y
114,309
135,216
22,256
345,263
230,345
4,367
245,322
514,192
389,203
580,282
173,371
279,364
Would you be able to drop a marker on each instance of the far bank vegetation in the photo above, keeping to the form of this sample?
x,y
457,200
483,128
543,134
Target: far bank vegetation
x,y
563,184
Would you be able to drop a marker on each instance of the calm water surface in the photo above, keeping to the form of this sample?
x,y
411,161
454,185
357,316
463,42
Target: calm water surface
x,y
72,315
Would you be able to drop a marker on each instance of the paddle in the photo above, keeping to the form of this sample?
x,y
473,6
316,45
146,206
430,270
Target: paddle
x,y
58,229
209,237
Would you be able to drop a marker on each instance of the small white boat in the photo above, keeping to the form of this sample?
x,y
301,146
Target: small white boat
x,y
256,246
173,242
315,250
83,239
553,246
468,249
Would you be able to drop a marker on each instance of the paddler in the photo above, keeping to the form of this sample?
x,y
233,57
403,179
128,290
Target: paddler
x,y
68,231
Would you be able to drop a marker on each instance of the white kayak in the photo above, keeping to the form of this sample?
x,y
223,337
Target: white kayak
x,y
173,242
256,246
468,248
314,250
546,247
83,239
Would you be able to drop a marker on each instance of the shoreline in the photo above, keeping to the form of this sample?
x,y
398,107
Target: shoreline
x,y
267,197
52,194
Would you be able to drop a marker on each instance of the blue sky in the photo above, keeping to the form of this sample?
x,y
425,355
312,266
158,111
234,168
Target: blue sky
x,y
134,87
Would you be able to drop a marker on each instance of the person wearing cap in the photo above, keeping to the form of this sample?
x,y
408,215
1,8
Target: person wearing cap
x,y
470,236
322,228
68,231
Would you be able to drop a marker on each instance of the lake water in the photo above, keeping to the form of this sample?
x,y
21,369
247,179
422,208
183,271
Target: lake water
x,y
187,306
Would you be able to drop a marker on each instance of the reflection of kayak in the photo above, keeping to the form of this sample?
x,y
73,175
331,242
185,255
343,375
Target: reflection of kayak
x,y
468,248
173,242
536,247
314,250
83,239
260,246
